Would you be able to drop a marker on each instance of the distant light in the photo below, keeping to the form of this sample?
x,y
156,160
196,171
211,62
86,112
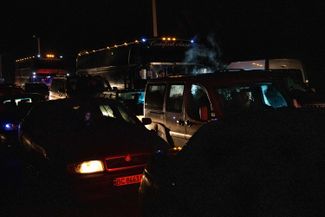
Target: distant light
x,y
49,55
38,55
34,76
48,76
10,126
143,40
61,57
68,74
34,73
192,41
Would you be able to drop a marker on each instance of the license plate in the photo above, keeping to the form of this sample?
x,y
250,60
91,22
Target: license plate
x,y
127,180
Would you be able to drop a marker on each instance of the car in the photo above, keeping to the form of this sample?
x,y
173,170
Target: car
x,y
180,105
267,163
37,87
89,148
13,108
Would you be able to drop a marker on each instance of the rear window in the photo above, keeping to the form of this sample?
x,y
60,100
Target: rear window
x,y
251,97
68,117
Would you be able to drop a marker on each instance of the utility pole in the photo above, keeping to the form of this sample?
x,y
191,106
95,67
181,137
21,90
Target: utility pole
x,y
38,45
154,18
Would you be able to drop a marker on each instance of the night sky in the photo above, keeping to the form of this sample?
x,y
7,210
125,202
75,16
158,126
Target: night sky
x,y
242,29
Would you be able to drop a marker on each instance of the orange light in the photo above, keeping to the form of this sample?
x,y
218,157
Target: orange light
x,y
49,55
164,39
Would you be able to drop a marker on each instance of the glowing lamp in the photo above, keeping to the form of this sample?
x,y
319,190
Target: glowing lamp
x,y
86,167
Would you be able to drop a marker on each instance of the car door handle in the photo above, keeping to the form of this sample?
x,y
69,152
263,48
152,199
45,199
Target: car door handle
x,y
180,122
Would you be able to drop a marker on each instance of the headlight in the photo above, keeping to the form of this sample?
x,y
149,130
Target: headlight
x,y
10,126
92,166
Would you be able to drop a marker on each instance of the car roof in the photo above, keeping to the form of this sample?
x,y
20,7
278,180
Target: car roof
x,y
81,100
222,77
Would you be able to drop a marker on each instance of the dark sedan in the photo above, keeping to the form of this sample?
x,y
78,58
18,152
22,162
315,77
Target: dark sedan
x,y
87,148
261,164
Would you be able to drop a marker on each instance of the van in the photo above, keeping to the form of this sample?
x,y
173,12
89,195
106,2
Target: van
x,y
178,106
285,67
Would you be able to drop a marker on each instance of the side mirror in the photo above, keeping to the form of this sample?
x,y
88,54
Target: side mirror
x,y
146,121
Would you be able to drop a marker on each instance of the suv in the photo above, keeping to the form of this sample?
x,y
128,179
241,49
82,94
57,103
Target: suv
x,y
179,105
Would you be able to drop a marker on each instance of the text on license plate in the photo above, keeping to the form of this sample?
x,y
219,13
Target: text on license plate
x,y
127,180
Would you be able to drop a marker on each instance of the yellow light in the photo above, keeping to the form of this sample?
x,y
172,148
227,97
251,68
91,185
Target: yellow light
x,y
168,38
174,39
178,148
164,39
125,43
49,55
92,166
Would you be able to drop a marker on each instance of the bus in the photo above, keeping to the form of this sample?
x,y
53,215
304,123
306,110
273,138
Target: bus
x,y
39,69
129,65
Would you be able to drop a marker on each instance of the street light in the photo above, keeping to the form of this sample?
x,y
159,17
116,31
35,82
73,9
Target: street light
x,y
38,45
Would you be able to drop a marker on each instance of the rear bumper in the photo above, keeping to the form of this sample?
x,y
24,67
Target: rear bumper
x,y
100,187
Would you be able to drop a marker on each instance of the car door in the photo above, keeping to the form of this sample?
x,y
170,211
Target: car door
x,y
175,113
198,109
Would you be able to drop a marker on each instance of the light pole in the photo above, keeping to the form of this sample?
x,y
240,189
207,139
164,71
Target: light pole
x,y
154,18
38,45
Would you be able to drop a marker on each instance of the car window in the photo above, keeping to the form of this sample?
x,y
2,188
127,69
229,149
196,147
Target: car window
x,y
73,116
174,100
127,116
58,85
251,97
199,104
